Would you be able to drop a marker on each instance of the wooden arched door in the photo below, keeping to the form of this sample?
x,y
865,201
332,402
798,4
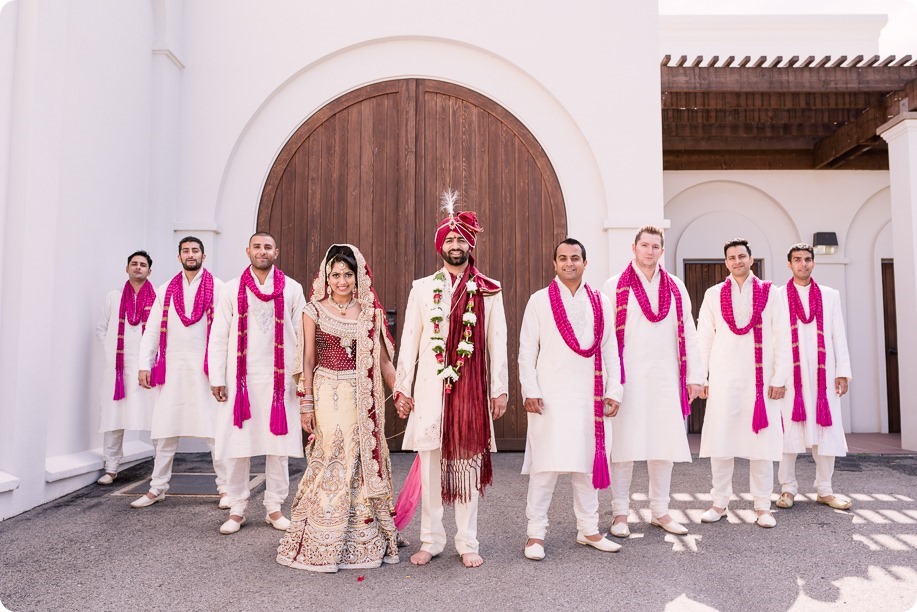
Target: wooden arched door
x,y
368,169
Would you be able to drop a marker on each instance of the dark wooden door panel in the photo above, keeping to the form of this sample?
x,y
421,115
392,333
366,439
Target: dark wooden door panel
x,y
891,346
369,169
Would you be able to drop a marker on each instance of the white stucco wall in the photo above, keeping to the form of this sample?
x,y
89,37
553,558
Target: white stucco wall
x,y
773,210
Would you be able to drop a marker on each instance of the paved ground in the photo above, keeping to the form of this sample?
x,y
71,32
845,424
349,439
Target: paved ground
x,y
90,551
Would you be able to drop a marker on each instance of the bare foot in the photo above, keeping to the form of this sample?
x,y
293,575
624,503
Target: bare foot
x,y
236,517
621,518
274,515
594,538
151,495
472,560
665,519
421,557
531,541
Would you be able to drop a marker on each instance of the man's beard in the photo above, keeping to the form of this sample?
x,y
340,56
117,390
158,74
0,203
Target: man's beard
x,y
458,260
262,265
192,267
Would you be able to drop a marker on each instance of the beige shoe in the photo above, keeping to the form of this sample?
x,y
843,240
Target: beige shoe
x,y
145,500
604,544
712,516
535,552
619,530
231,526
671,527
224,503
107,478
785,500
835,501
766,520
281,523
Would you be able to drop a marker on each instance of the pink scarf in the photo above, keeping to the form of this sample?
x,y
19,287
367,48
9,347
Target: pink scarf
x,y
203,303
242,408
667,290
797,315
760,291
135,308
600,477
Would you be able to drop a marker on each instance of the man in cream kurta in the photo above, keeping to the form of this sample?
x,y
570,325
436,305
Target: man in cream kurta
x,y
650,426
732,388
826,442
184,405
134,411
236,445
422,395
559,390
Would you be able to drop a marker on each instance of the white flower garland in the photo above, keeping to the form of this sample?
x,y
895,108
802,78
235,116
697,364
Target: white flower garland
x,y
445,372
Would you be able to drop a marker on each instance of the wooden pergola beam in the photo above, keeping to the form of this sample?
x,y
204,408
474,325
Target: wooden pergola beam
x,y
739,99
759,115
758,78
748,130
751,143
762,160
857,136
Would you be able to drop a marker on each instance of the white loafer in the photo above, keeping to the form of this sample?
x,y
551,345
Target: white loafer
x,y
231,526
712,516
619,530
535,552
143,501
604,544
106,479
224,503
280,524
671,527
766,520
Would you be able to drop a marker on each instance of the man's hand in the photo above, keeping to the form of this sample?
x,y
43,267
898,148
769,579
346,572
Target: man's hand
x,y
143,377
840,386
535,405
776,393
694,392
704,393
611,407
403,404
219,393
307,419
498,406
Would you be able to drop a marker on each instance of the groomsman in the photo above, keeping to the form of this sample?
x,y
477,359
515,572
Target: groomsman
x,y
821,373
745,348
173,357
570,376
251,362
124,405
662,373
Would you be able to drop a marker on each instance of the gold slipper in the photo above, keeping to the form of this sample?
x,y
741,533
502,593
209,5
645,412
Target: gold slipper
x,y
785,500
835,501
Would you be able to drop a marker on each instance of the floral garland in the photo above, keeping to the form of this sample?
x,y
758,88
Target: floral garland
x,y
446,372
134,310
817,314
203,303
667,290
760,292
601,479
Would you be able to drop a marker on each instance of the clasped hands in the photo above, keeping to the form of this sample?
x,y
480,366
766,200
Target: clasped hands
x,y
404,405
535,405
774,393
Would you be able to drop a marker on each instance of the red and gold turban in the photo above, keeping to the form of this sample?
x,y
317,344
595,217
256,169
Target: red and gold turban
x,y
465,223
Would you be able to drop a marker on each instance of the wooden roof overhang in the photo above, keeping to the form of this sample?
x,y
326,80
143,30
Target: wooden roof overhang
x,y
769,115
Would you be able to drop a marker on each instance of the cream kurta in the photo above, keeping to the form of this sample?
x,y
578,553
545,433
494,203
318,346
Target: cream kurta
x,y
254,437
730,362
134,412
649,424
184,404
798,436
562,439
424,428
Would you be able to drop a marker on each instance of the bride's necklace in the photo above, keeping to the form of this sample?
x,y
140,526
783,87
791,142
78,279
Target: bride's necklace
x,y
342,308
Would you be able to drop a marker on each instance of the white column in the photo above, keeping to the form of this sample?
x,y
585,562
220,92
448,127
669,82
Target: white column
x,y
901,135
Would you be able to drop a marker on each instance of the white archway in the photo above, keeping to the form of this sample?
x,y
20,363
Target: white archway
x,y
307,91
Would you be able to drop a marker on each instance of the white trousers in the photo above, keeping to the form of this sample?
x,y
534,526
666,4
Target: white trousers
x,y
760,481
585,503
277,487
165,457
113,449
432,532
824,471
660,473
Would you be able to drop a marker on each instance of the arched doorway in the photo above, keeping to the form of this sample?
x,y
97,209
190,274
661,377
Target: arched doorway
x,y
368,169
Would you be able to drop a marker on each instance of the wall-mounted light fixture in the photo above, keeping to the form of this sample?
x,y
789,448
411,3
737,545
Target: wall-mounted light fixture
x,y
825,243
